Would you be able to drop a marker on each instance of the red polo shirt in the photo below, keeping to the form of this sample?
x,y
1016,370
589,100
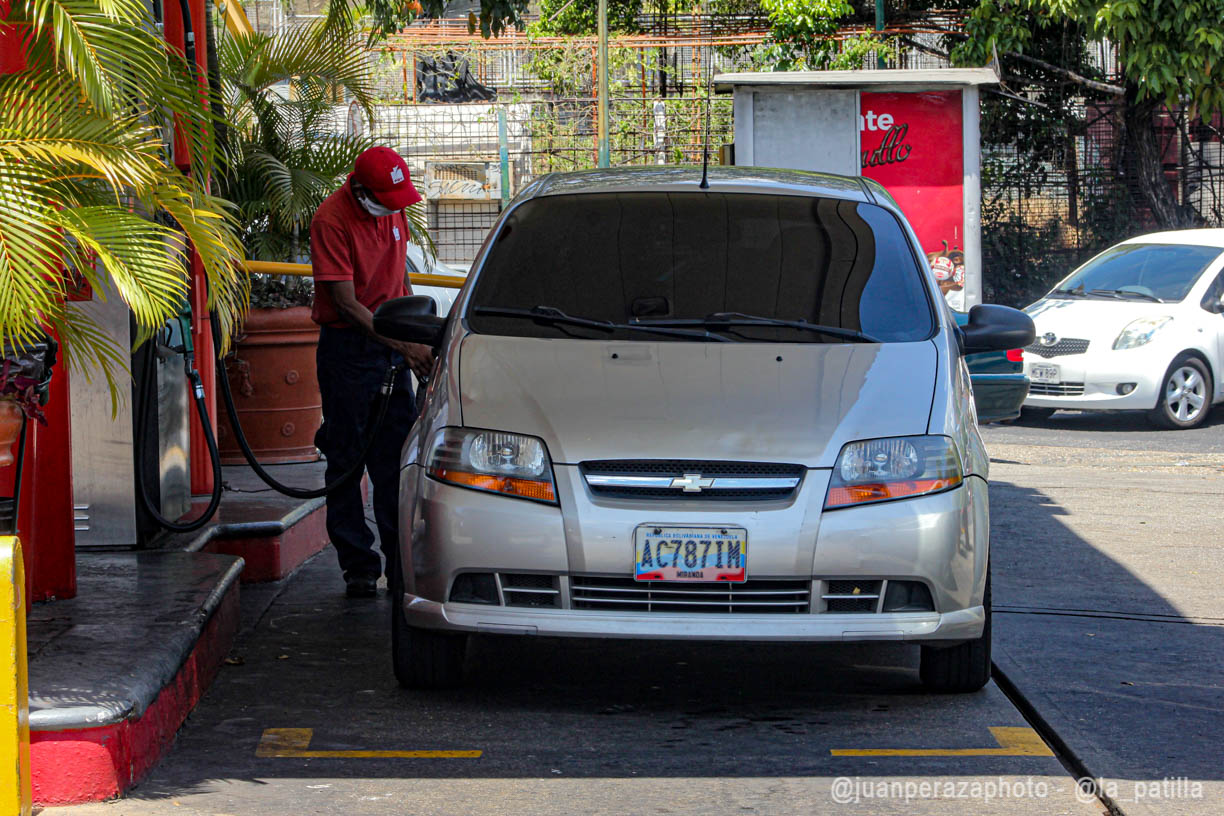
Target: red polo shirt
x,y
349,244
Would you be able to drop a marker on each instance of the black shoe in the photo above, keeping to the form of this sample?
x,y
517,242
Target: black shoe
x,y
360,587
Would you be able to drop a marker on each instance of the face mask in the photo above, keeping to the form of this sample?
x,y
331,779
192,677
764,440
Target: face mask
x,y
374,208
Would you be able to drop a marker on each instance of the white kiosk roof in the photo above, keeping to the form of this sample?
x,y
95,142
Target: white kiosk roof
x,y
896,78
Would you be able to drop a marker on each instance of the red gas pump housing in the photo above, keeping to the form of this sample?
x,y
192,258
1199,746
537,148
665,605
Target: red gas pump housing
x,y
45,512
201,335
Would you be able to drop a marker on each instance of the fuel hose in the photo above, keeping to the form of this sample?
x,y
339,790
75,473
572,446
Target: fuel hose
x,y
378,412
146,411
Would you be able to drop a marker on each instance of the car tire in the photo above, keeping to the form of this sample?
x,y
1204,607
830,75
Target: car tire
x,y
1171,411
962,668
423,658
1036,414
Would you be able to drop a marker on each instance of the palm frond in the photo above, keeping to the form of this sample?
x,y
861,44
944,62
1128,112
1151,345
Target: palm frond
x,y
85,183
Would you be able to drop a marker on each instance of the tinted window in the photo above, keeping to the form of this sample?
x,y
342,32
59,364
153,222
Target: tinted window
x,y
1165,271
612,257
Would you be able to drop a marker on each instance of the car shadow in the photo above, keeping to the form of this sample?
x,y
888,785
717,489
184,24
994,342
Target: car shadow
x,y
1110,422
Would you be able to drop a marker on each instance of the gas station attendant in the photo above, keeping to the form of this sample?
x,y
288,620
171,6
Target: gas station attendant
x,y
358,241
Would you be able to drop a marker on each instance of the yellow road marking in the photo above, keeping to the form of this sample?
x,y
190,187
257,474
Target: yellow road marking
x,y
295,742
1012,742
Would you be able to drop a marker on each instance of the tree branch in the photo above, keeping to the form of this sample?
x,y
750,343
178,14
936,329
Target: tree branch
x,y
1078,79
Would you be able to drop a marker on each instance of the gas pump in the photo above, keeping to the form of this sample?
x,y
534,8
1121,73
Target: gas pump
x,y
132,462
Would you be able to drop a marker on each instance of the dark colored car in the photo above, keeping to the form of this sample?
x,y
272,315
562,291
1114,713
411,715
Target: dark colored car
x,y
999,383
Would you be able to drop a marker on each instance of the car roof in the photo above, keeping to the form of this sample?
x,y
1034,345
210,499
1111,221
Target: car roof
x,y
672,178
1207,236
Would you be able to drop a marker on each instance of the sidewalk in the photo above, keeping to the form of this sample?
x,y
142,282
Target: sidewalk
x,y
115,671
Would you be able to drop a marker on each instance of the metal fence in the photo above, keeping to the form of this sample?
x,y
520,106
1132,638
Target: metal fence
x,y
1047,203
454,150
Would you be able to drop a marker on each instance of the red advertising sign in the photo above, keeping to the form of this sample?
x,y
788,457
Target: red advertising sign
x,y
912,144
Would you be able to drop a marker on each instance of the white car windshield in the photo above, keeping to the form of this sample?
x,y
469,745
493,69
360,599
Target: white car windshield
x,y
1155,272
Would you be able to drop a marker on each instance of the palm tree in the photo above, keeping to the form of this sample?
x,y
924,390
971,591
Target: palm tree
x,y
86,184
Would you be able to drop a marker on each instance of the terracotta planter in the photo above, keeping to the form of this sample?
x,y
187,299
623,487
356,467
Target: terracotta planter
x,y
10,430
276,390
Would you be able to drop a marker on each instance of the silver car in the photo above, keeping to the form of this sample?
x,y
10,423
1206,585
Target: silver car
x,y
737,411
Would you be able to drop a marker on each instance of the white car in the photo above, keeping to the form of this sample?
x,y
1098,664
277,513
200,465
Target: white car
x,y
1138,327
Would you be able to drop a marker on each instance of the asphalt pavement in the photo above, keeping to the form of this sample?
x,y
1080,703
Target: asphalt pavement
x,y
586,727
1108,563
1109,636
1120,430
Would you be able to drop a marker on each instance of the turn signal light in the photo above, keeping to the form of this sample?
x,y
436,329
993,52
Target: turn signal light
x,y
861,493
526,488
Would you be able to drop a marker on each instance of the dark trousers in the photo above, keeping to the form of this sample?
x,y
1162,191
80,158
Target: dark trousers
x,y
351,370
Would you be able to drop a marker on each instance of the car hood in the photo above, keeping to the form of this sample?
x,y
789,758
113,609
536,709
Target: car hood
x,y
1097,320
798,403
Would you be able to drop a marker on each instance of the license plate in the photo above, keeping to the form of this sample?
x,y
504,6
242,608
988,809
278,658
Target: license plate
x,y
690,553
1045,374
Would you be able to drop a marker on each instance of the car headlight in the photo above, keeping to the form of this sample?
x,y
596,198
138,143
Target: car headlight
x,y
899,467
1138,332
499,462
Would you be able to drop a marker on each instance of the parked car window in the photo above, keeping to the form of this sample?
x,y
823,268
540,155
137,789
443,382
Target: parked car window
x,y
1164,271
684,256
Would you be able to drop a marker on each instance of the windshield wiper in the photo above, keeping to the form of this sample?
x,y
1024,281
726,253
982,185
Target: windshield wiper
x,y
725,320
551,315
1125,294
1076,292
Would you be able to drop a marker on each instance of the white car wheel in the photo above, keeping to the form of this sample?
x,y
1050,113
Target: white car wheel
x,y
1185,397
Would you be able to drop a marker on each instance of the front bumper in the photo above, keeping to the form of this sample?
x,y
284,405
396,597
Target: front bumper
x,y
1100,373
940,540
963,624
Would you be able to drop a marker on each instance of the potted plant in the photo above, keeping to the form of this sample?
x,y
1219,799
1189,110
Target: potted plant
x,y
272,375
25,373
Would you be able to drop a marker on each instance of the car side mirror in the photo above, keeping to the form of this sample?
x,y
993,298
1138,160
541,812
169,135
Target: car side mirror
x,y
413,319
996,328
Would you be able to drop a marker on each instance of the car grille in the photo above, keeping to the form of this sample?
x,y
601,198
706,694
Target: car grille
x,y
755,596
841,596
1067,389
714,480
529,589
1065,346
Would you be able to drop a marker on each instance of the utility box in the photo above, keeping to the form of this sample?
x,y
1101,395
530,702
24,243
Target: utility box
x,y
915,132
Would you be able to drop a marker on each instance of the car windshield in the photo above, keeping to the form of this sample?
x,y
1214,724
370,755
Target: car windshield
x,y
1140,272
709,265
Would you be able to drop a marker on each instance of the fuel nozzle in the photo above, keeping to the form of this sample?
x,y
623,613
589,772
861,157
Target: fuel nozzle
x,y
179,339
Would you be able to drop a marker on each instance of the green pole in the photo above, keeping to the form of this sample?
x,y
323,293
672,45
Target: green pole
x,y
879,26
605,152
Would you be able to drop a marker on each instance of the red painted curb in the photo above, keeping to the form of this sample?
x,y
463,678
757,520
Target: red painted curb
x,y
90,764
270,558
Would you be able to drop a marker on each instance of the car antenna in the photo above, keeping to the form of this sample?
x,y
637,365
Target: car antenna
x,y
705,146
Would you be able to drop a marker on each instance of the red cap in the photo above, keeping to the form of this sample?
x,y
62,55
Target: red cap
x,y
381,171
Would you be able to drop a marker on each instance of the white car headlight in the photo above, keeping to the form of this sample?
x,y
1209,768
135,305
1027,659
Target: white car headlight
x,y
499,462
899,467
1138,332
